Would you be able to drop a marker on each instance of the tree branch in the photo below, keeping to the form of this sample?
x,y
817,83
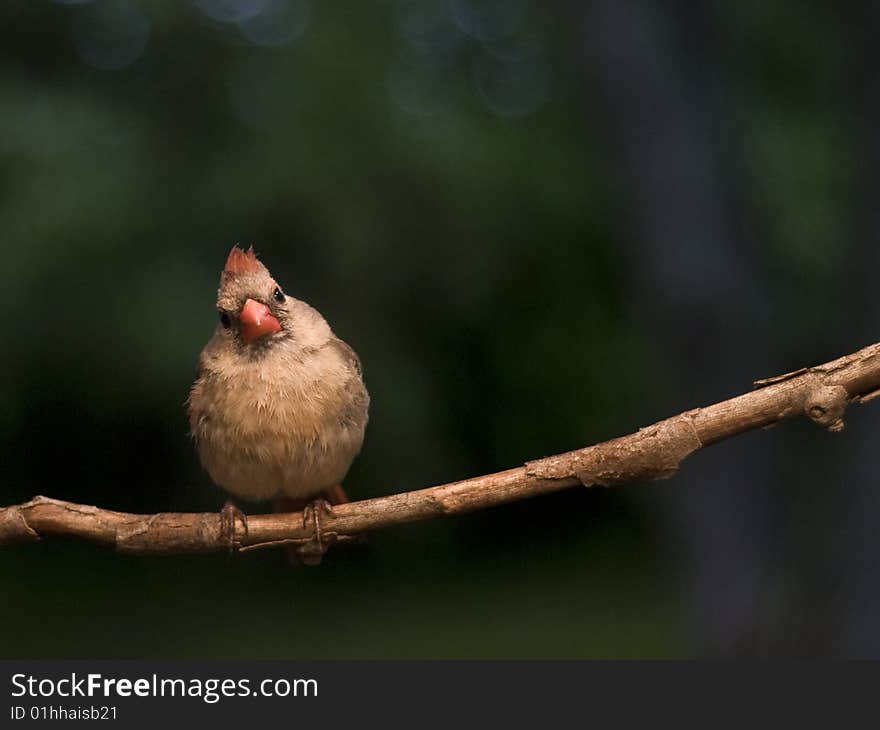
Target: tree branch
x,y
821,393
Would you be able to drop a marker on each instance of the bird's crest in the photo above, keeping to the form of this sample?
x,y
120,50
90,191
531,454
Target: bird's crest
x,y
242,262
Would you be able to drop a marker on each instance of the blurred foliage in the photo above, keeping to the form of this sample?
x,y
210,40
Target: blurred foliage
x,y
435,178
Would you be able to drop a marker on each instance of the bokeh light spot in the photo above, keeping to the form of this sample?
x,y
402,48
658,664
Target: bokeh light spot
x,y
427,26
231,11
488,20
111,34
278,22
513,81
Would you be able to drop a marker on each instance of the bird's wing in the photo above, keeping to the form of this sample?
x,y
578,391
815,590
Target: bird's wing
x,y
348,355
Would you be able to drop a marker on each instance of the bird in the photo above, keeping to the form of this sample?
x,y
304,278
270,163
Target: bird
x,y
279,408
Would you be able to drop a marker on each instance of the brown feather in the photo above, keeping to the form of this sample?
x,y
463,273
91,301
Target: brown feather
x,y
242,262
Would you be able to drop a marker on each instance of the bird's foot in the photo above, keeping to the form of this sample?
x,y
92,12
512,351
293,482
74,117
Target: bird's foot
x,y
229,515
311,552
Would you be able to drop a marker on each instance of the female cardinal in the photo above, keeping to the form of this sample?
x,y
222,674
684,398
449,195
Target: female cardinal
x,y
278,409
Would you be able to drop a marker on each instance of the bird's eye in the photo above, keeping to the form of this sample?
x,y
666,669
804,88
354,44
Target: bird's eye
x,y
279,295
224,319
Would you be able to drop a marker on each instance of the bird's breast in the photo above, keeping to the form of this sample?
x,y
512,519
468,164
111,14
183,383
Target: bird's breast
x,y
260,436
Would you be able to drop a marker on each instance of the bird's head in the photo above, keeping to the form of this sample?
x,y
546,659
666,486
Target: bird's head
x,y
252,308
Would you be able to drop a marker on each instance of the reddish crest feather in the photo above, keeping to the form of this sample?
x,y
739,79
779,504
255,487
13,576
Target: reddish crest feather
x,y
242,262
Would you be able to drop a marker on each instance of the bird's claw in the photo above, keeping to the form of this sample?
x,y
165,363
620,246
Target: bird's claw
x,y
311,552
229,515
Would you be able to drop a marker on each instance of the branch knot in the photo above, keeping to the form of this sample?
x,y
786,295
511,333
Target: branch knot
x,y
14,527
826,404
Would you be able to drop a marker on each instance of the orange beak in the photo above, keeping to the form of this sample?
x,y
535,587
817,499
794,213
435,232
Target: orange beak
x,y
257,321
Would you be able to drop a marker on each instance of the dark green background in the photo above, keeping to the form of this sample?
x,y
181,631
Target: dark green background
x,y
540,225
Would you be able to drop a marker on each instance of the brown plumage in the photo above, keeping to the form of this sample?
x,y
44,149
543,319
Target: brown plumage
x,y
279,407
